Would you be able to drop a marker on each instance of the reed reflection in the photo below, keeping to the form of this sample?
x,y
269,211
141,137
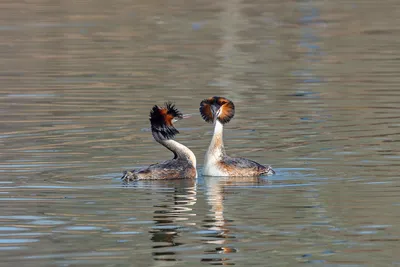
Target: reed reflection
x,y
171,216
220,232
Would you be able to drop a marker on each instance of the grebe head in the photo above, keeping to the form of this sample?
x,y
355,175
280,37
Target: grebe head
x,y
217,108
161,119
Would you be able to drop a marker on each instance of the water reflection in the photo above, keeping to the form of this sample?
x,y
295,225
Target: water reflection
x,y
220,231
171,216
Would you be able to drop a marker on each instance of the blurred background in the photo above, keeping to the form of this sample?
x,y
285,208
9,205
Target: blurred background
x,y
315,85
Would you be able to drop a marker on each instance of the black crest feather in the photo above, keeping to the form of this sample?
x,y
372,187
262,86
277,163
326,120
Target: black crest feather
x,y
206,109
161,121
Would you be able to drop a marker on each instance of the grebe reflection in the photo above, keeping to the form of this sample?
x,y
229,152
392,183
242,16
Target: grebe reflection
x,y
172,216
219,233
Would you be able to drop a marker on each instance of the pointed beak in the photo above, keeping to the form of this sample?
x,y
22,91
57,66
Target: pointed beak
x,y
184,116
176,119
214,110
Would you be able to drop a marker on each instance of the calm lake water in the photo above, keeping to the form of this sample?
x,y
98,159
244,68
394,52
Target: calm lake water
x,y
316,89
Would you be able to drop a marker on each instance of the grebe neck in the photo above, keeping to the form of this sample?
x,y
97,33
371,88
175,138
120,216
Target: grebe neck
x,y
180,151
216,148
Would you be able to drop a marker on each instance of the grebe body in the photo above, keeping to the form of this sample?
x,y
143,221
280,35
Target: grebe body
x,y
182,166
219,111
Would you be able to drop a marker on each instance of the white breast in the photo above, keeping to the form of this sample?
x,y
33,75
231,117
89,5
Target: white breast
x,y
211,168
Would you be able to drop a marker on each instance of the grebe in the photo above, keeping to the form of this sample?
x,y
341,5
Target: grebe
x,y
183,165
219,111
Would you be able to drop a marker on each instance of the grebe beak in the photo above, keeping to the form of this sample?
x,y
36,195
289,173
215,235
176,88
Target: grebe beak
x,y
185,116
215,110
175,119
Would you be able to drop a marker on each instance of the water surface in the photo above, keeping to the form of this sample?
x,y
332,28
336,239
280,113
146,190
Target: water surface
x,y
315,86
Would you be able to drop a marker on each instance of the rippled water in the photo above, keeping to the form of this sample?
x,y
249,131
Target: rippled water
x,y
315,84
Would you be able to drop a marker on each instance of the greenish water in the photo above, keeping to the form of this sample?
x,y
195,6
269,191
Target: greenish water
x,y
315,85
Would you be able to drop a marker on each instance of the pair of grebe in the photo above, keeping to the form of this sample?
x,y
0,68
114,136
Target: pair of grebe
x,y
216,110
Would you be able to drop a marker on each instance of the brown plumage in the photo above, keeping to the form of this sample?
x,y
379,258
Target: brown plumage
x,y
161,121
243,167
209,106
170,169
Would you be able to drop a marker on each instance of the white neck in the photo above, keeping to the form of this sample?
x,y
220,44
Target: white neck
x,y
179,150
216,149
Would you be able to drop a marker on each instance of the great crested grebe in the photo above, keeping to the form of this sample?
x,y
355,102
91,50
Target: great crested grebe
x,y
183,165
219,111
